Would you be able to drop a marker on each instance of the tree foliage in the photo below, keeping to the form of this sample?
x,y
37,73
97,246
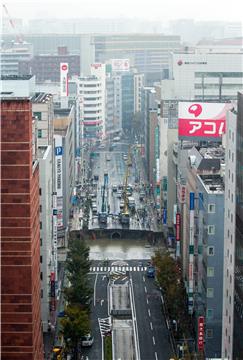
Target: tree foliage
x,y
75,324
170,279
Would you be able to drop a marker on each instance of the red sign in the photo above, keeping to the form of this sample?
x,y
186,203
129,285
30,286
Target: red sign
x,y
200,341
52,276
64,67
181,193
178,224
202,120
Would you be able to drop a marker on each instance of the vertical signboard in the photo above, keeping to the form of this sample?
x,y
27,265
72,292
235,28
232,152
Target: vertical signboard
x,y
191,253
63,79
120,64
53,292
59,180
200,340
178,230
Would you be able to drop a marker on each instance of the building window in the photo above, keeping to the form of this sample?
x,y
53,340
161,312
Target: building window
x,y
229,339
40,225
39,191
40,241
210,292
210,250
39,133
211,208
231,218
41,293
40,208
211,229
209,333
37,114
209,313
210,271
41,259
41,276
233,156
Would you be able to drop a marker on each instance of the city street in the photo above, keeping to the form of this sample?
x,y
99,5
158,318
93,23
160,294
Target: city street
x,y
153,335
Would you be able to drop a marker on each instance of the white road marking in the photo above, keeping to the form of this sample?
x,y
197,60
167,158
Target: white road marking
x,y
156,356
101,302
101,268
145,289
108,269
95,288
149,312
145,268
162,299
144,278
134,269
151,326
147,301
153,340
103,277
104,268
127,268
130,268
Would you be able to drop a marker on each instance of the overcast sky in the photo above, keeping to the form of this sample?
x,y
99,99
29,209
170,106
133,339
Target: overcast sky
x,y
149,9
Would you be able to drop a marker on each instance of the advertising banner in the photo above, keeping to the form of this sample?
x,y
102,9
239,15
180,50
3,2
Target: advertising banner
x,y
64,79
120,64
202,121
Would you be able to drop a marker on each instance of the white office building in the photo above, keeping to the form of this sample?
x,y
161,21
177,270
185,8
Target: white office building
x,y
206,75
10,57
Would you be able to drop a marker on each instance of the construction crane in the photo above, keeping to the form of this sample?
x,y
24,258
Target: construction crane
x,y
19,37
103,215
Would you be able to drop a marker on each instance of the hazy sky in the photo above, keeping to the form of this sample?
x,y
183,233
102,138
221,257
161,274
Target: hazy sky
x,y
163,10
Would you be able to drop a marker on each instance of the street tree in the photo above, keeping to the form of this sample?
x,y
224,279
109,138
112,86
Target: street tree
x,y
79,291
74,325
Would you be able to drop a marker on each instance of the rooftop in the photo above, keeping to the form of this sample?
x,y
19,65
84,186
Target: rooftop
x,y
41,97
213,184
16,77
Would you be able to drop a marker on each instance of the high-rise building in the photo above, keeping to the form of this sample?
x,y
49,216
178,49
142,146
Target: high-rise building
x,y
238,294
21,330
229,236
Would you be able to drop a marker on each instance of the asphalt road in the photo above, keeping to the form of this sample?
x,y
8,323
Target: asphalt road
x,y
152,331
112,163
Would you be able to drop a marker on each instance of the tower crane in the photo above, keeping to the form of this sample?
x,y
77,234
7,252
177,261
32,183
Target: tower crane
x,y
19,37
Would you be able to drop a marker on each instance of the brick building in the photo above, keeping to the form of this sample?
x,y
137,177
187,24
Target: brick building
x,y
21,332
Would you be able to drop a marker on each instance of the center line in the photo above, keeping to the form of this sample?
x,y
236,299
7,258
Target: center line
x,y
156,356
153,340
151,326
145,289
147,301
149,312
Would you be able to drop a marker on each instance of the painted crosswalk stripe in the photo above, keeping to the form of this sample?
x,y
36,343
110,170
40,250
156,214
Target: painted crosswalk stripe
x,y
127,268
108,269
134,269
101,268
145,268
130,269
104,268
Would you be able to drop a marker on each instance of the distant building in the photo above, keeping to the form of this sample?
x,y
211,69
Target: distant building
x,y
207,76
20,233
11,56
46,67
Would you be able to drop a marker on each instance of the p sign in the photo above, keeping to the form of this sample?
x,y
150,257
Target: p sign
x,y
58,151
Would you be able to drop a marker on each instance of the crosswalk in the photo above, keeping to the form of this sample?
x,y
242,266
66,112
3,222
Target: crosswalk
x,y
105,269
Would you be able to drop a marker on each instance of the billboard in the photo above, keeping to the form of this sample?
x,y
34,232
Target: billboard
x,y
120,64
202,121
64,79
